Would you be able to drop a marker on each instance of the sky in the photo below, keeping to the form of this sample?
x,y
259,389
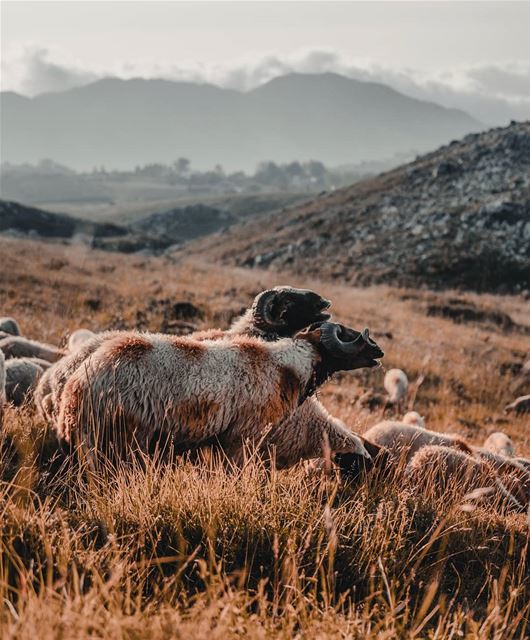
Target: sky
x,y
471,55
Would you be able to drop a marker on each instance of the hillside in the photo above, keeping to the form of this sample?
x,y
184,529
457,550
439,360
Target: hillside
x,y
457,217
186,550
120,123
16,218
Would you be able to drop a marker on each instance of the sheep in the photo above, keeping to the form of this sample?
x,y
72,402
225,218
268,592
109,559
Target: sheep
x,y
281,311
193,390
406,439
2,387
9,326
519,405
437,468
18,347
396,384
503,450
414,418
21,377
499,442
78,338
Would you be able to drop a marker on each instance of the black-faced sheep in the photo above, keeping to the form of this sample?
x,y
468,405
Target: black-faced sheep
x,y
18,347
191,390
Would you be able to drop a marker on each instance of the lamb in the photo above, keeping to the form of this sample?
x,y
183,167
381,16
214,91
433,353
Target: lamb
x,y
396,384
78,338
414,418
193,390
438,468
18,347
406,439
9,326
499,442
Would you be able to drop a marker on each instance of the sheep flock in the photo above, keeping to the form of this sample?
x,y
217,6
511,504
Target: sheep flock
x,y
117,394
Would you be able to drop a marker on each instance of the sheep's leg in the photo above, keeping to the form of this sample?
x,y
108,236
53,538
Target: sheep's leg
x,y
310,432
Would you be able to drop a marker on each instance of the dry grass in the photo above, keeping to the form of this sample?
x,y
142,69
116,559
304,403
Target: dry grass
x,y
195,550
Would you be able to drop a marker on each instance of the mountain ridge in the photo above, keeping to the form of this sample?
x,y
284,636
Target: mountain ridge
x,y
120,123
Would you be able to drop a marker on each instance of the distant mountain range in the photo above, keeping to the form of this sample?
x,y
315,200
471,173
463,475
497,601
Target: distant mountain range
x,y
120,123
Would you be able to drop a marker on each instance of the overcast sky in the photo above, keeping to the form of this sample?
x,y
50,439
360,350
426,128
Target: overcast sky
x,y
474,55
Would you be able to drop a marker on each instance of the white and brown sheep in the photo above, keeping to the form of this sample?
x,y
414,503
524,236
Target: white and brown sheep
x,y
307,433
274,313
191,390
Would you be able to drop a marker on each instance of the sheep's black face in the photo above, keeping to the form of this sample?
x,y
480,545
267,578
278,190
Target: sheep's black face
x,y
283,311
299,308
344,349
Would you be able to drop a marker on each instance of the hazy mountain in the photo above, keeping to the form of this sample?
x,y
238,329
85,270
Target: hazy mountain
x,y
457,217
120,123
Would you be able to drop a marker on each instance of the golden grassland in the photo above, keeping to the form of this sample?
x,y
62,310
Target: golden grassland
x,y
197,550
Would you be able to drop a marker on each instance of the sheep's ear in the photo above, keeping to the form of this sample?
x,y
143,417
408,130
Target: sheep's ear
x,y
312,335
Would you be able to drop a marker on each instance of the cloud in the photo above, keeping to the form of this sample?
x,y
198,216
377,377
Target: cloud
x,y
32,72
493,93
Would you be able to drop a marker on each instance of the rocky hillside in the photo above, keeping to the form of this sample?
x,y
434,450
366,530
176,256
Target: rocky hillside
x,y
457,217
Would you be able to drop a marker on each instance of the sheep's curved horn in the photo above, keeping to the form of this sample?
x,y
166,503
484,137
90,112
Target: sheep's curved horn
x,y
262,310
331,340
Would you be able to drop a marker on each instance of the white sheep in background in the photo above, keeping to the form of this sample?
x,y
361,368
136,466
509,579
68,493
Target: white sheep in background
x,y
396,384
499,442
437,468
18,347
9,326
405,439
78,338
414,418
191,390
2,387
22,375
